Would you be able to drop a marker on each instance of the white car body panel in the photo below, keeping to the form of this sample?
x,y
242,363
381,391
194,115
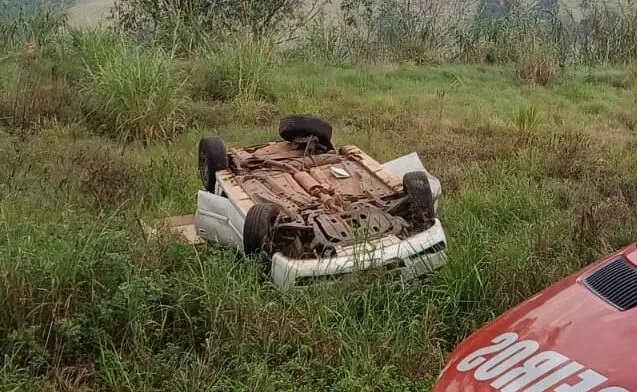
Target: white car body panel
x,y
220,220
217,219
408,256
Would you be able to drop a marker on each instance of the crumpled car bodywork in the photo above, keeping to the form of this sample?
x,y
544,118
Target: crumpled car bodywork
x,y
341,212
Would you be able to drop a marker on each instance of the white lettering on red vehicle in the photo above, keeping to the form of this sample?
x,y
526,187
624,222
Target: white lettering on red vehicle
x,y
516,366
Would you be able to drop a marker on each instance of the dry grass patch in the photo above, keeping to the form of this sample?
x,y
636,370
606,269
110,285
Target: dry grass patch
x,y
600,222
109,181
455,143
562,155
100,174
211,114
422,364
33,98
537,68
77,378
89,167
615,134
272,323
250,111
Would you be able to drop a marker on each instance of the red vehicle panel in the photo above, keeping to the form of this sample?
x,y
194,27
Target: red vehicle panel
x,y
564,339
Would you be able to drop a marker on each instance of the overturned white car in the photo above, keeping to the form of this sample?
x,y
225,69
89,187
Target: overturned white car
x,y
316,212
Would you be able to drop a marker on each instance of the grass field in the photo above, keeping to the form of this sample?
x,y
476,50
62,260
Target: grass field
x,y
97,133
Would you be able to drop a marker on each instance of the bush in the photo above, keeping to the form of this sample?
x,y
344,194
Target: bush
x,y
238,69
187,26
131,93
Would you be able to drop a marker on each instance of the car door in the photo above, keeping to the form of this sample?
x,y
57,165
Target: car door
x,y
218,220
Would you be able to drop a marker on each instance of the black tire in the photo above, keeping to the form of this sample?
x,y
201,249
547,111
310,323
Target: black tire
x,y
212,158
421,201
292,127
257,227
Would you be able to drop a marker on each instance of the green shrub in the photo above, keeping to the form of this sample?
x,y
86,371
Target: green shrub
x,y
94,48
238,69
130,92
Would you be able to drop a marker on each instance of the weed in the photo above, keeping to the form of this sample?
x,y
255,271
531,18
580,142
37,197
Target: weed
x,y
95,48
559,154
210,114
605,221
74,378
615,78
239,69
631,78
324,42
527,119
610,33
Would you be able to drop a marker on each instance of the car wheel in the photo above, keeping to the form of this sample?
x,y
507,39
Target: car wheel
x,y
257,227
212,158
293,127
421,201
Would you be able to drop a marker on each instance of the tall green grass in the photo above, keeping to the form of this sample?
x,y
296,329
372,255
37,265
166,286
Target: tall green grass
x,y
38,24
34,85
610,33
30,96
238,69
131,92
238,72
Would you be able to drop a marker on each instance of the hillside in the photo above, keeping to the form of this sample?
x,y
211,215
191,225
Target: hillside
x,y
91,12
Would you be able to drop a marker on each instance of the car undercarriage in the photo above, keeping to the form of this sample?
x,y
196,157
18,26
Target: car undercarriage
x,y
309,198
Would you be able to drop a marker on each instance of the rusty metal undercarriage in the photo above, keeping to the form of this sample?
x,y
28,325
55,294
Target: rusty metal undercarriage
x,y
331,199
